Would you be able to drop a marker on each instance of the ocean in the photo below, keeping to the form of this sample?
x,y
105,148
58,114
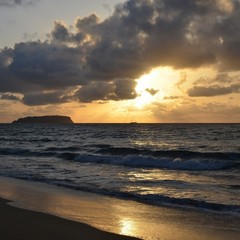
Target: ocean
x,y
193,166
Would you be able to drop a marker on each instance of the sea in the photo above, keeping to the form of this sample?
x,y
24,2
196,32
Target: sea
x,y
194,166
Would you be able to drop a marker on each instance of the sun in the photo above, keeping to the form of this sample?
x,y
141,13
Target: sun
x,y
144,96
154,86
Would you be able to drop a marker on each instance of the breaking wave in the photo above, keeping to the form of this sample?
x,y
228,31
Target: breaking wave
x,y
130,157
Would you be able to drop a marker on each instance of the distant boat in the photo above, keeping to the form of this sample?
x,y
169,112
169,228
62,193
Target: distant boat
x,y
133,123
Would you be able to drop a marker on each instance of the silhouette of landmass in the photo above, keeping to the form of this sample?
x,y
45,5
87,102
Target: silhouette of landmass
x,y
45,119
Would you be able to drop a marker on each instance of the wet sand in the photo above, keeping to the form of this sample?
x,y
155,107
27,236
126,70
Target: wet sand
x,y
22,224
108,214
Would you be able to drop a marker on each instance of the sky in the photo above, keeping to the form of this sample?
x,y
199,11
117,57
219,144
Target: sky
x,y
163,61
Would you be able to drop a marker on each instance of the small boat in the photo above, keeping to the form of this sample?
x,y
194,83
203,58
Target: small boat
x,y
133,123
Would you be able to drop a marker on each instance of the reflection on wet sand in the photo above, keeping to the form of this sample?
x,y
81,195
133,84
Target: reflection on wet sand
x,y
127,226
117,215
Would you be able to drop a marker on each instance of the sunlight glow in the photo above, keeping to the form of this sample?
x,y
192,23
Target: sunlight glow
x,y
144,99
154,86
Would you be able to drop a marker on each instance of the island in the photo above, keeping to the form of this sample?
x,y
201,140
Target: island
x,y
45,119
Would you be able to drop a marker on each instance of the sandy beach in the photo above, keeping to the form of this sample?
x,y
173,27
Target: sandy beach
x,y
24,224
87,212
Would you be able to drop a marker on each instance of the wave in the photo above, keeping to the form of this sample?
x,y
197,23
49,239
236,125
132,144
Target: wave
x,y
152,162
152,199
29,140
190,203
62,149
173,160
13,151
170,153
162,200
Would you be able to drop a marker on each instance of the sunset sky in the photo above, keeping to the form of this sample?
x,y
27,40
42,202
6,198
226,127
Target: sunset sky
x,y
120,61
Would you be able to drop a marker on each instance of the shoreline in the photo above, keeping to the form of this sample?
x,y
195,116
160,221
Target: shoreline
x,y
16,223
110,215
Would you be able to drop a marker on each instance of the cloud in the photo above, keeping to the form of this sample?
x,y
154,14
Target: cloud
x,y
172,97
13,3
10,97
212,91
195,113
60,32
181,81
118,90
152,91
93,55
222,84
37,66
34,99
95,91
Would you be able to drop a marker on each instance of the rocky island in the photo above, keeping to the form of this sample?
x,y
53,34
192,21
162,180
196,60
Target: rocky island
x,y
45,119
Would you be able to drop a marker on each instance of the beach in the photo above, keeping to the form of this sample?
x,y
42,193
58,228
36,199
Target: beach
x,y
50,206
23,224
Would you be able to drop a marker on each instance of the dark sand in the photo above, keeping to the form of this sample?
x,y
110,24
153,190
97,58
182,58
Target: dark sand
x,y
19,224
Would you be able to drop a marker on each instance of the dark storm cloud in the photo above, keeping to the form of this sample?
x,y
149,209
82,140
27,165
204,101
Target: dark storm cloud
x,y
117,90
95,91
6,56
34,99
138,36
87,23
36,66
125,89
60,32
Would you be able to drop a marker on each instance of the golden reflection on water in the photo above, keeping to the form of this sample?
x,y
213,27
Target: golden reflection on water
x,y
126,226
